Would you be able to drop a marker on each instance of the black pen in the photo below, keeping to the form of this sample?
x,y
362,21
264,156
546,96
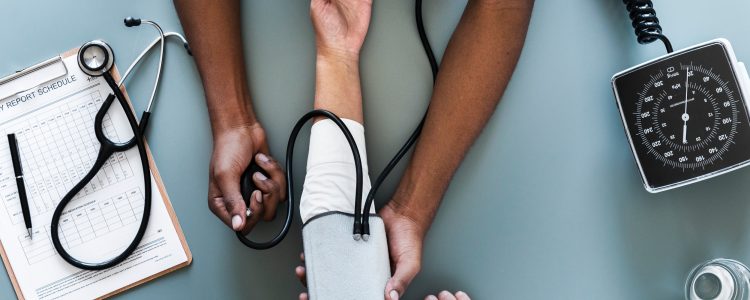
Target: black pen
x,y
18,170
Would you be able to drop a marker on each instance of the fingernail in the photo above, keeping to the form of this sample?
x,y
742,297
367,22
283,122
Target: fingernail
x,y
445,294
236,222
431,297
394,295
460,293
258,197
260,176
262,157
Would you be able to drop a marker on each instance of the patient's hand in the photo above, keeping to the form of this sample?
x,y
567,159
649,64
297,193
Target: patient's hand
x,y
446,295
340,26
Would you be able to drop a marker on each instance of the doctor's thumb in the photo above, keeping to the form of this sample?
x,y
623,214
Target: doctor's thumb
x,y
402,277
229,185
236,209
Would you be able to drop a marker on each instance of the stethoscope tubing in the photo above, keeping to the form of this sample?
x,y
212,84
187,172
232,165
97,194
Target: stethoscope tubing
x,y
434,67
106,149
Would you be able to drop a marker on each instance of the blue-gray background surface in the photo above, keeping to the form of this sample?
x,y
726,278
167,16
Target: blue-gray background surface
x,y
547,205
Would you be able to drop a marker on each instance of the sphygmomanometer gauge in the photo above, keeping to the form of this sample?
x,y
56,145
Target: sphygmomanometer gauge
x,y
685,115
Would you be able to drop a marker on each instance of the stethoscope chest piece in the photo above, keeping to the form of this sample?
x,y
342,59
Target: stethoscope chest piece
x,y
718,279
96,58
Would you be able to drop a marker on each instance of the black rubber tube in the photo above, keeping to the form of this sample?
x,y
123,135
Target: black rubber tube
x,y
290,179
417,131
106,149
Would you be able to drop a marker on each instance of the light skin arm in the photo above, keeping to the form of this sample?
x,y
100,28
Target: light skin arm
x,y
340,30
475,70
337,88
237,135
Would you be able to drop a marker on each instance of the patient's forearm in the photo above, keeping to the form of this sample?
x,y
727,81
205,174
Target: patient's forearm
x,y
213,30
330,179
475,70
332,256
337,86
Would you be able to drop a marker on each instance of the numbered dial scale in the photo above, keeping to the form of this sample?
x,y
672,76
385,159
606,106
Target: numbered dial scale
x,y
685,115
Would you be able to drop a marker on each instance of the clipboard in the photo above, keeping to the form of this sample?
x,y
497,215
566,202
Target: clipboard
x,y
30,78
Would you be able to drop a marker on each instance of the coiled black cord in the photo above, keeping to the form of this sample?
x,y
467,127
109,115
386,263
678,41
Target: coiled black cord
x,y
414,135
645,22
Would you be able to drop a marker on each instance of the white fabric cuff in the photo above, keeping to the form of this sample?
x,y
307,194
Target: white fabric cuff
x,y
331,177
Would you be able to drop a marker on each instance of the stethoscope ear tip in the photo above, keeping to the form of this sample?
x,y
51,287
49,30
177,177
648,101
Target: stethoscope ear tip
x,y
130,21
187,48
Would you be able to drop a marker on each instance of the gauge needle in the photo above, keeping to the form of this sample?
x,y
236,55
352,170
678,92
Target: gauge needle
x,y
685,116
684,133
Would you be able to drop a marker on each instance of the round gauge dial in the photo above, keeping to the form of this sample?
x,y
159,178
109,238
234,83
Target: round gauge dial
x,y
686,116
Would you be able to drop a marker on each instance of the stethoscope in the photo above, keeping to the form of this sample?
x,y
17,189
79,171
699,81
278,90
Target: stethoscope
x,y
361,227
96,58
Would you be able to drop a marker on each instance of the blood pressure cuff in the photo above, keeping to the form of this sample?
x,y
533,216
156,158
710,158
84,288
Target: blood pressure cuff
x,y
330,174
338,267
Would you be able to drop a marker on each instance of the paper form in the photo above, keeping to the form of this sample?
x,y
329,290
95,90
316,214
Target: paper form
x,y
54,125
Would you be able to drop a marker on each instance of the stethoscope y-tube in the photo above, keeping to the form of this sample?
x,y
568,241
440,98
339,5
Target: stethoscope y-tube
x,y
96,58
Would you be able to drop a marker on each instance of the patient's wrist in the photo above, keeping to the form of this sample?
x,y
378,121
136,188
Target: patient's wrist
x,y
334,66
337,86
336,55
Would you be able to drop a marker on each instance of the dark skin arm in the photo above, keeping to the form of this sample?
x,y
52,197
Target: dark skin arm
x,y
475,70
237,134
340,29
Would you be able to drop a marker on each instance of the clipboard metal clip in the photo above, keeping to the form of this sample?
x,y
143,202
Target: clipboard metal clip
x,y
31,77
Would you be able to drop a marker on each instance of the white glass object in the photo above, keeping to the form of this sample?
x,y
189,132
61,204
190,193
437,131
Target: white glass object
x,y
718,279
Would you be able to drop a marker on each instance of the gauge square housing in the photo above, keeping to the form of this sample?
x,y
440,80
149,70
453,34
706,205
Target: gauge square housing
x,y
685,115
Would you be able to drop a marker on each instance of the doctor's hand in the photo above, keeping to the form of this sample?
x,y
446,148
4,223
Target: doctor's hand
x,y
233,150
340,26
405,239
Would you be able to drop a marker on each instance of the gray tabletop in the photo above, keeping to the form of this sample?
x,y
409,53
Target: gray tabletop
x,y
547,205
